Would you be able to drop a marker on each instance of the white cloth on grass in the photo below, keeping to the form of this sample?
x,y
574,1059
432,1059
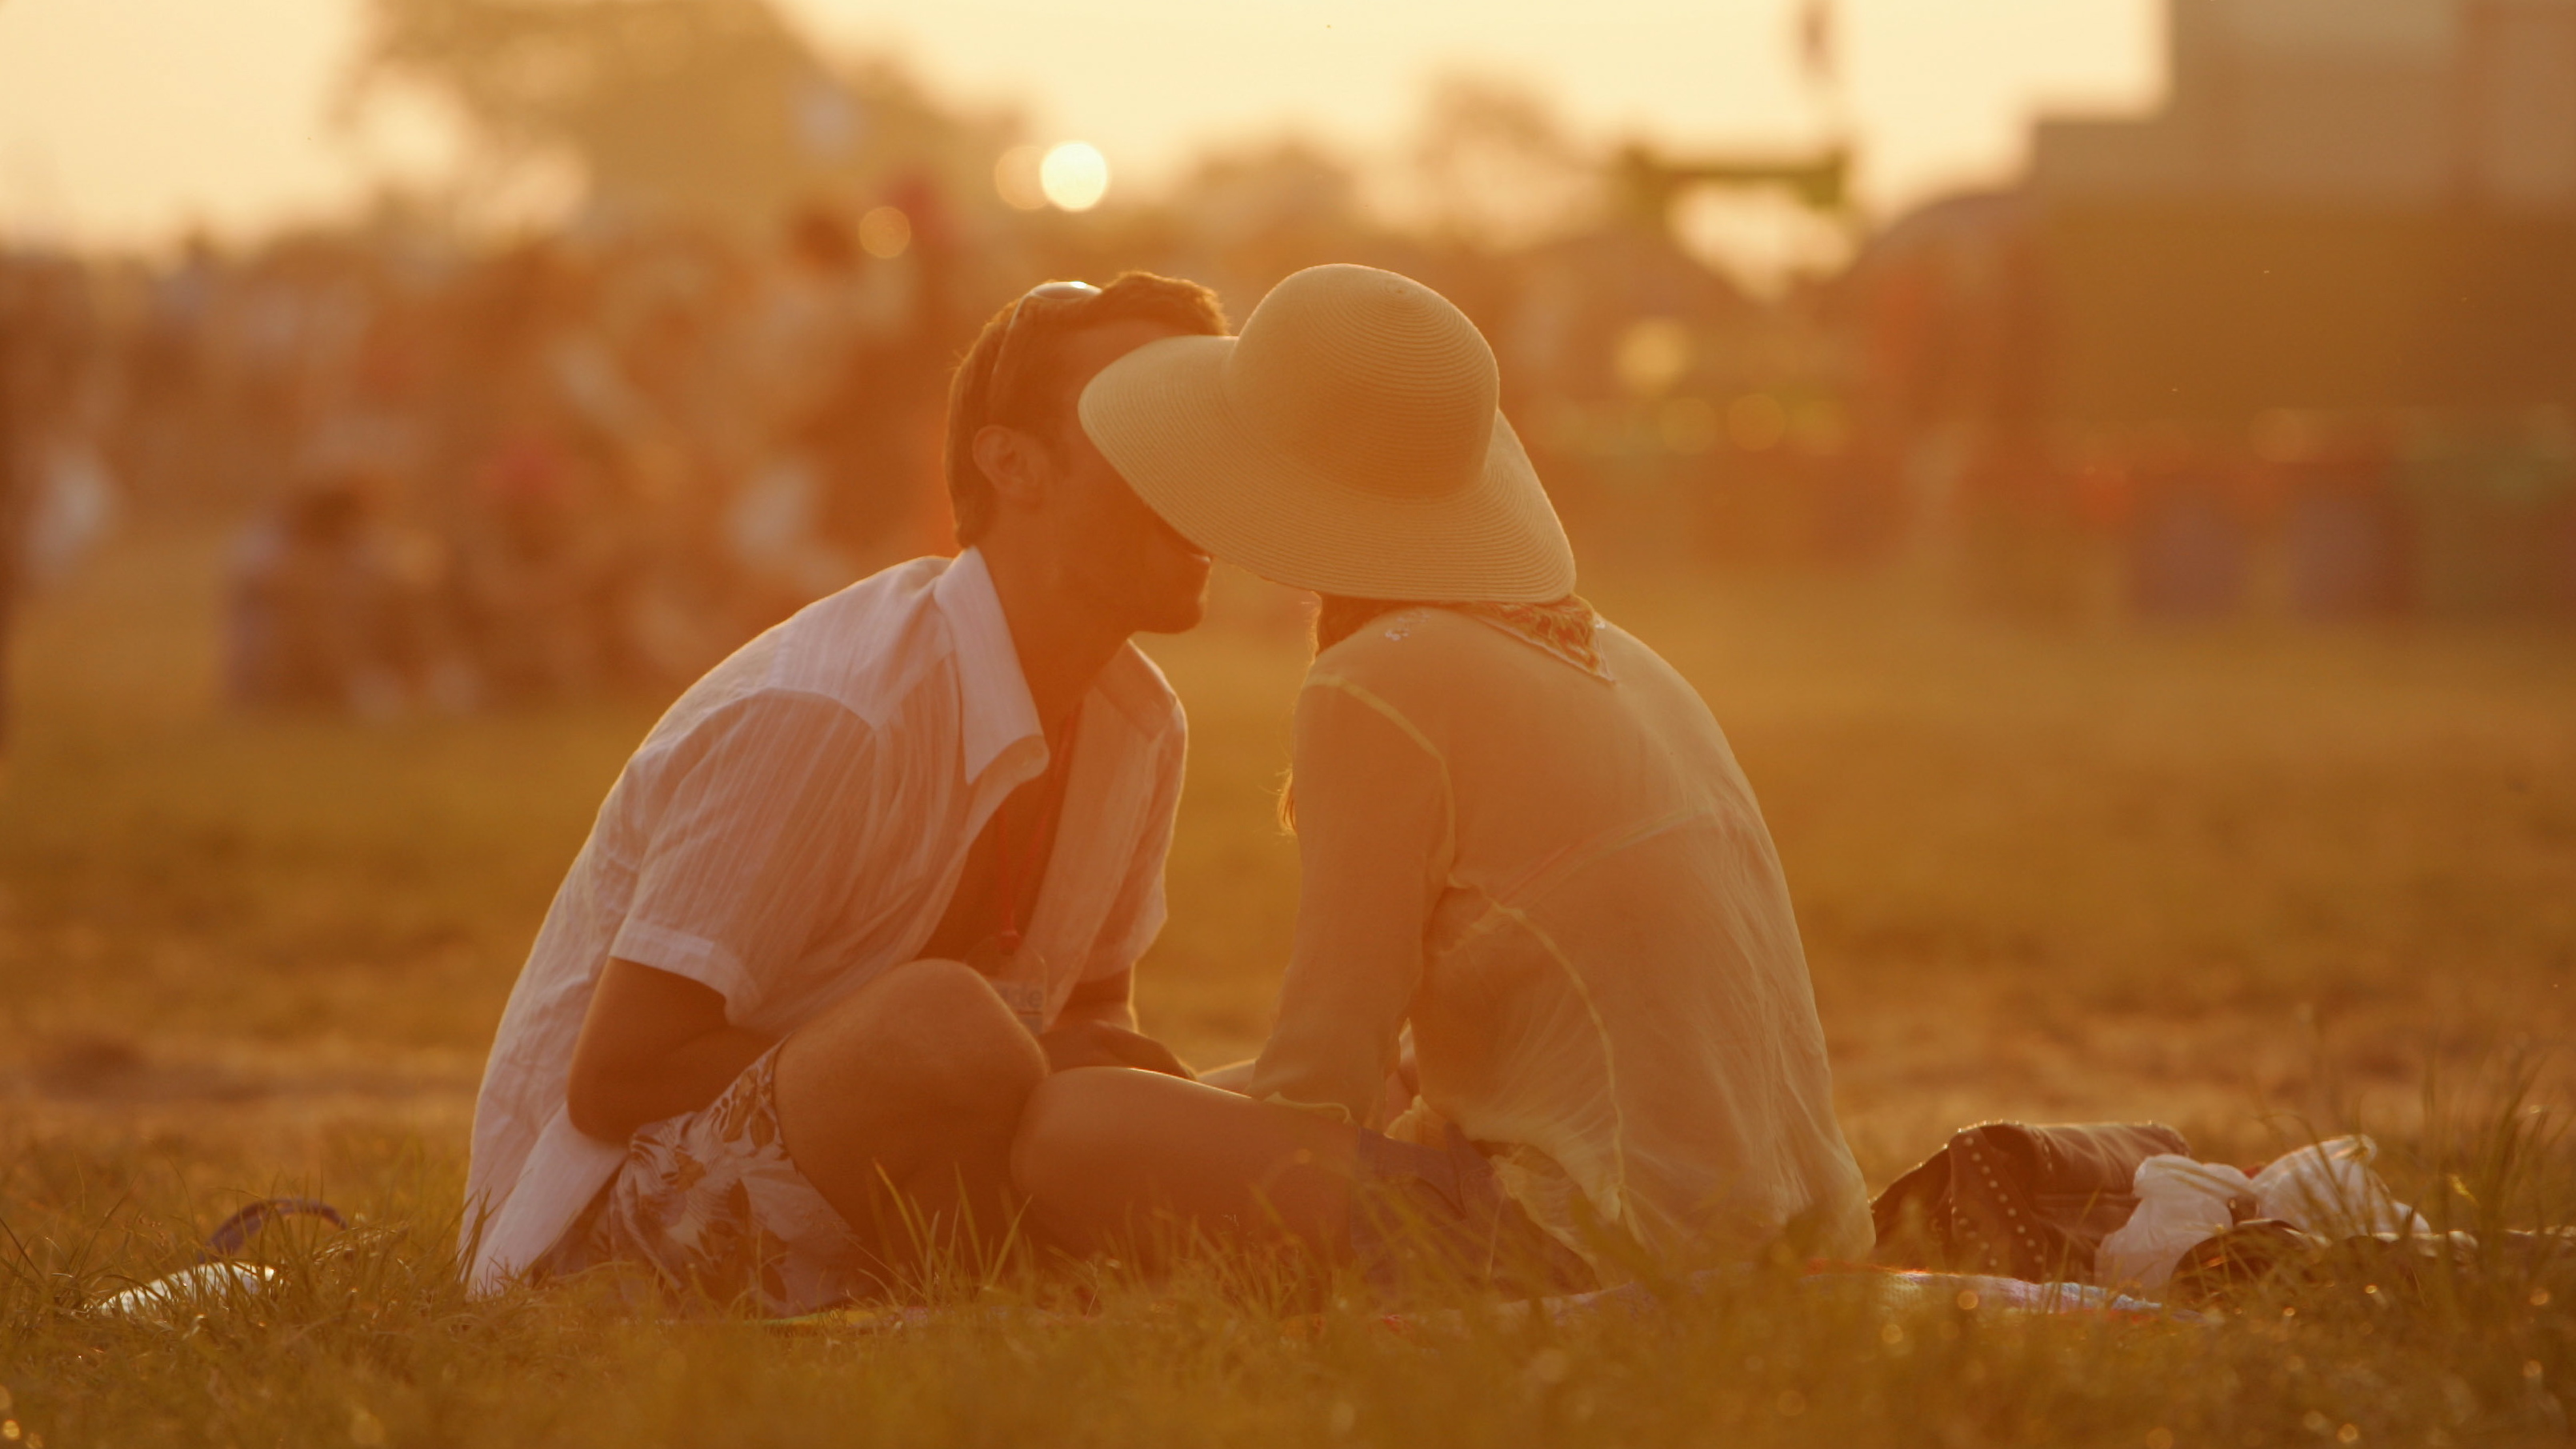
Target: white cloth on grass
x,y
795,825
2327,1188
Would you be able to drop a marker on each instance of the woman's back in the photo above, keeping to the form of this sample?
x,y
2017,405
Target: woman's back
x,y
1561,876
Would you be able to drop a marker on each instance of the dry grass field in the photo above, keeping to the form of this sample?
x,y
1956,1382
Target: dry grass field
x,y
2246,880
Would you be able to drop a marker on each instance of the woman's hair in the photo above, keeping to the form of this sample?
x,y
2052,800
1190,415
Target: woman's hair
x,y
1034,390
1337,617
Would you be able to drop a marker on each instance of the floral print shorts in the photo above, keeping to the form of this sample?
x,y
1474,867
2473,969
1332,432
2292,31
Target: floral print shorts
x,y
711,1205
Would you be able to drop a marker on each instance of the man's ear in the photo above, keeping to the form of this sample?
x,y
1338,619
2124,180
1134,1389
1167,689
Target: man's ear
x,y
1014,464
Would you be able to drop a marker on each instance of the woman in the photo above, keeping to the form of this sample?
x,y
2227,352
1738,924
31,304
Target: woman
x,y
1523,836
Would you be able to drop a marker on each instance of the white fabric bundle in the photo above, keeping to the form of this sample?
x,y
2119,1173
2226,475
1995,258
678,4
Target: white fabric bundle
x,y
2327,1188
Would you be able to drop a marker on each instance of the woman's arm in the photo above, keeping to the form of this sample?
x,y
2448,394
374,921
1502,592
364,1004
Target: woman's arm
x,y
1375,839
1098,1151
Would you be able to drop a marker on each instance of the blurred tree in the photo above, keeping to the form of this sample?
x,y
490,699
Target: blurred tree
x,y
1494,167
1257,190
705,107
1261,211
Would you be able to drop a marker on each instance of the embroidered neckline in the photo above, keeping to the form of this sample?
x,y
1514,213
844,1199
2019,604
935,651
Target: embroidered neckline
x,y
1566,629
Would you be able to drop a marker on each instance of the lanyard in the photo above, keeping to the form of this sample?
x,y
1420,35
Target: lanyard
x,y
1012,865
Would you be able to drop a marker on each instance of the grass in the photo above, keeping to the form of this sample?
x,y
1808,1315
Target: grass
x,y
370,1342
2247,880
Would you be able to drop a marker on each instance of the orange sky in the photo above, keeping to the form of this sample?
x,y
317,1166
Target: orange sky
x,y
123,119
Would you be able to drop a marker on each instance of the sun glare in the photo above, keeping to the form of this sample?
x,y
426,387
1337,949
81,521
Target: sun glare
x,y
1074,176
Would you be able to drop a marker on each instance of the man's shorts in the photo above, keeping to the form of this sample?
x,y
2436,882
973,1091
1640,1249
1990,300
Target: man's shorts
x,y
710,1203
1425,1217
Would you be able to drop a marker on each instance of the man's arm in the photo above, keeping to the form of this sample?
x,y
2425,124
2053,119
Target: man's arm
x,y
653,1045
1097,1028
1109,1001
765,829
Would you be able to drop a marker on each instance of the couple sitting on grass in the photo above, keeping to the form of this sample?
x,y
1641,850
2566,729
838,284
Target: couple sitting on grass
x,y
844,972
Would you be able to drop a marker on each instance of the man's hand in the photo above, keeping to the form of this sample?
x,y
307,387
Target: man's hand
x,y
1098,1029
1096,1044
653,1045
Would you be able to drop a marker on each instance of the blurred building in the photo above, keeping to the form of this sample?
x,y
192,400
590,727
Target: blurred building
x,y
2309,328
2404,104
2343,203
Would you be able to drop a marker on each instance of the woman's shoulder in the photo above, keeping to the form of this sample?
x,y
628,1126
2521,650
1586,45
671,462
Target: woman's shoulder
x,y
1411,649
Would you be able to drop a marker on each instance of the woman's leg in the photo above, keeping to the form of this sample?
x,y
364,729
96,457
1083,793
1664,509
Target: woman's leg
x,y
1233,1076
1107,1155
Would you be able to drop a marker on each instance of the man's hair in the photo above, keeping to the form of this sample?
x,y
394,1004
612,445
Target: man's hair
x,y
1034,394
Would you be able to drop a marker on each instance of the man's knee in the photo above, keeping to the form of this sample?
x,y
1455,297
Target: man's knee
x,y
933,1035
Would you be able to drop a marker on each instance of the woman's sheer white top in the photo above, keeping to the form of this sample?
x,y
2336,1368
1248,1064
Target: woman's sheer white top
x,y
1563,882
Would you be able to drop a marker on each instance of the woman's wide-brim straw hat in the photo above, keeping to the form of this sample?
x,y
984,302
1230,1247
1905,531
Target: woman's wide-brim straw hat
x,y
1347,441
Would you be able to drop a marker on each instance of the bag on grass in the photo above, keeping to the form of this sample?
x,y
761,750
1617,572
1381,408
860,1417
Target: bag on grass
x,y
2016,1200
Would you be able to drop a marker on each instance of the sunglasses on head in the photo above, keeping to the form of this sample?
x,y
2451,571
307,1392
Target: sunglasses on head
x,y
1042,292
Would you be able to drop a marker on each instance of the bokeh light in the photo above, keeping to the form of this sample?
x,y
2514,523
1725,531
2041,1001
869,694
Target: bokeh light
x,y
1015,178
1653,354
1074,176
885,232
1757,422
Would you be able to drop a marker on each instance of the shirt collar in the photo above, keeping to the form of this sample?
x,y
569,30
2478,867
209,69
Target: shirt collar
x,y
992,694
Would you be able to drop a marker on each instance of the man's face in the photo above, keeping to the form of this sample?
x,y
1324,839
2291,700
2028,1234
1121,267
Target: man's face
x,y
1103,542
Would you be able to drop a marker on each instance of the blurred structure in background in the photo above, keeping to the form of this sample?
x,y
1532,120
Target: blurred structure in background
x,y
667,359
2315,319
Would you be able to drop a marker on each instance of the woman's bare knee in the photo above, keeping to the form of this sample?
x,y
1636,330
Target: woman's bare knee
x,y
1067,1126
1121,1130
1104,1151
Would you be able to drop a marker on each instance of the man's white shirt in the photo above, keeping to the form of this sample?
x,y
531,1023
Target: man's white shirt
x,y
795,825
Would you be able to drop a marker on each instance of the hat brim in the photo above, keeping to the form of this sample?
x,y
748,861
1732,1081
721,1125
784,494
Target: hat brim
x,y
1162,417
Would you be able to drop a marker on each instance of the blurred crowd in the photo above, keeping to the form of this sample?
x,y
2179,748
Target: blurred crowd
x,y
520,474
475,475
480,475
463,472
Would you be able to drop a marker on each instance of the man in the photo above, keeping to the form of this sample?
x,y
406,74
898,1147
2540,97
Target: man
x,y
748,1051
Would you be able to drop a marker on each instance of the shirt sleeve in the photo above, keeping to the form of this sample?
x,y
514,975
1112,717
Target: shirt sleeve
x,y
1375,838
1137,916
760,838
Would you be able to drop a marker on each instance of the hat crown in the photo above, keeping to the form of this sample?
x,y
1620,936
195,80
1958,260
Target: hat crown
x,y
1369,377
